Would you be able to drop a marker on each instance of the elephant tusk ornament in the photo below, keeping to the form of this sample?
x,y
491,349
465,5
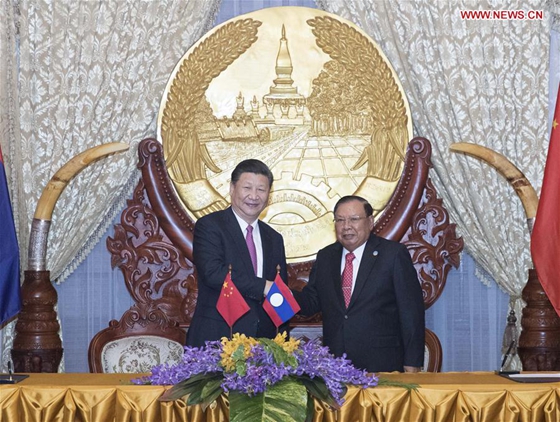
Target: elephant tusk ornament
x,y
40,225
507,169
37,345
540,325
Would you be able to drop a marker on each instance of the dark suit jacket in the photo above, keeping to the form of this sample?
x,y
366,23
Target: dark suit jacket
x,y
219,242
383,327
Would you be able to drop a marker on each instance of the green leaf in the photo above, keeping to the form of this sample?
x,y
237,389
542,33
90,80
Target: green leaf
x,y
241,367
310,408
195,397
211,391
279,354
285,401
239,354
192,386
318,389
389,383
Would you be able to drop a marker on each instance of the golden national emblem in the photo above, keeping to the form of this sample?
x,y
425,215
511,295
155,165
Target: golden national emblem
x,y
303,90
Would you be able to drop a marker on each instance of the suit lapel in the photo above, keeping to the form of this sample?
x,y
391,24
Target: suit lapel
x,y
335,274
366,266
266,249
232,227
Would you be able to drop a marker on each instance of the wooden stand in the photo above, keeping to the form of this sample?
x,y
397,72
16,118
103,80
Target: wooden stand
x,y
539,342
37,345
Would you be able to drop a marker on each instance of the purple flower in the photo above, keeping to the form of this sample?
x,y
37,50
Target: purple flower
x,y
196,360
315,360
264,366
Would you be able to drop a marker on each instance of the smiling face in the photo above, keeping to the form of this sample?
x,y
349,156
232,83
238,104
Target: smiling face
x,y
249,195
352,225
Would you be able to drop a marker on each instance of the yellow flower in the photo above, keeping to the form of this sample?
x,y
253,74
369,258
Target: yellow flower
x,y
289,346
230,346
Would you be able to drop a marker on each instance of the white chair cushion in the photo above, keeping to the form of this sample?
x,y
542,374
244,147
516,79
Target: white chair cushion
x,y
139,354
426,359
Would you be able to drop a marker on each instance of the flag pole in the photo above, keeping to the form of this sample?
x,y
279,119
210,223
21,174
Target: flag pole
x,y
277,274
231,305
231,326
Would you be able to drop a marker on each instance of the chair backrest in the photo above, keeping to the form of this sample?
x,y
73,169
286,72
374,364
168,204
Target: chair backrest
x,y
136,343
433,355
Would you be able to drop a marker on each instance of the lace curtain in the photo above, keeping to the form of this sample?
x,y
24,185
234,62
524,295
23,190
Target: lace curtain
x,y
8,82
477,81
75,74
554,8
89,72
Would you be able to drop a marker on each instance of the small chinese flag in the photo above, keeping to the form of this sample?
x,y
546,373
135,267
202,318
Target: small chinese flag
x,y
231,304
280,304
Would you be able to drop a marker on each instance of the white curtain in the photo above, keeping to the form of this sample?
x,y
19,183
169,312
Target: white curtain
x,y
480,81
89,72
76,74
8,83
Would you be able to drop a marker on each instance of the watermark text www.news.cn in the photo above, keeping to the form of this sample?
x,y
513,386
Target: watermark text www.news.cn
x,y
502,14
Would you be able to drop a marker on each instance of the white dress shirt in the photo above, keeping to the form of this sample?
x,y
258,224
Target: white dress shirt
x,y
256,238
358,253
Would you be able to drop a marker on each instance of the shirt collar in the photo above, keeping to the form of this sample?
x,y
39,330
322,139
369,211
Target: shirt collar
x,y
358,252
243,224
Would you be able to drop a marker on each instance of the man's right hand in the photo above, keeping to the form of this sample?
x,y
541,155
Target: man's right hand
x,y
267,287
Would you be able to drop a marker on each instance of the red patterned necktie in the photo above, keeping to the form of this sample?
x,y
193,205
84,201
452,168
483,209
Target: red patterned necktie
x,y
251,247
347,278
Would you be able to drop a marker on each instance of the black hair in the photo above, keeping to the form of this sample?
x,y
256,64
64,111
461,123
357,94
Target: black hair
x,y
349,198
251,166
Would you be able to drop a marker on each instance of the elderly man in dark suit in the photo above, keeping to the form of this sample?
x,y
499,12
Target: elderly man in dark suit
x,y
235,236
368,292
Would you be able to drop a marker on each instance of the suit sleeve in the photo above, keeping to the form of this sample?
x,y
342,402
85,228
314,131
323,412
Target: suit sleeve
x,y
308,299
212,257
410,303
283,263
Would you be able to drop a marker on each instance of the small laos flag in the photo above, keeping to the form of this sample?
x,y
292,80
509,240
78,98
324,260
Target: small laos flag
x,y
231,304
280,304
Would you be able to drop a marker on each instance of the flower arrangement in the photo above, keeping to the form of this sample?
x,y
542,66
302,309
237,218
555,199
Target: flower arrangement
x,y
265,379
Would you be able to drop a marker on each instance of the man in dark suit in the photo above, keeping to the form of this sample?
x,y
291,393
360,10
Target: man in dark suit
x,y
225,238
381,328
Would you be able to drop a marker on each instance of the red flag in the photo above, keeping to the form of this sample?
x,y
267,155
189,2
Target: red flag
x,y
10,302
545,239
280,304
231,304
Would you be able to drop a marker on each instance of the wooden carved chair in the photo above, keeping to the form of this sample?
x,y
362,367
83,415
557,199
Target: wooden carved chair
x,y
136,343
153,244
433,356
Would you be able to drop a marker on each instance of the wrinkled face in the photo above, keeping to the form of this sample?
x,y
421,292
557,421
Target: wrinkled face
x,y
351,224
249,195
